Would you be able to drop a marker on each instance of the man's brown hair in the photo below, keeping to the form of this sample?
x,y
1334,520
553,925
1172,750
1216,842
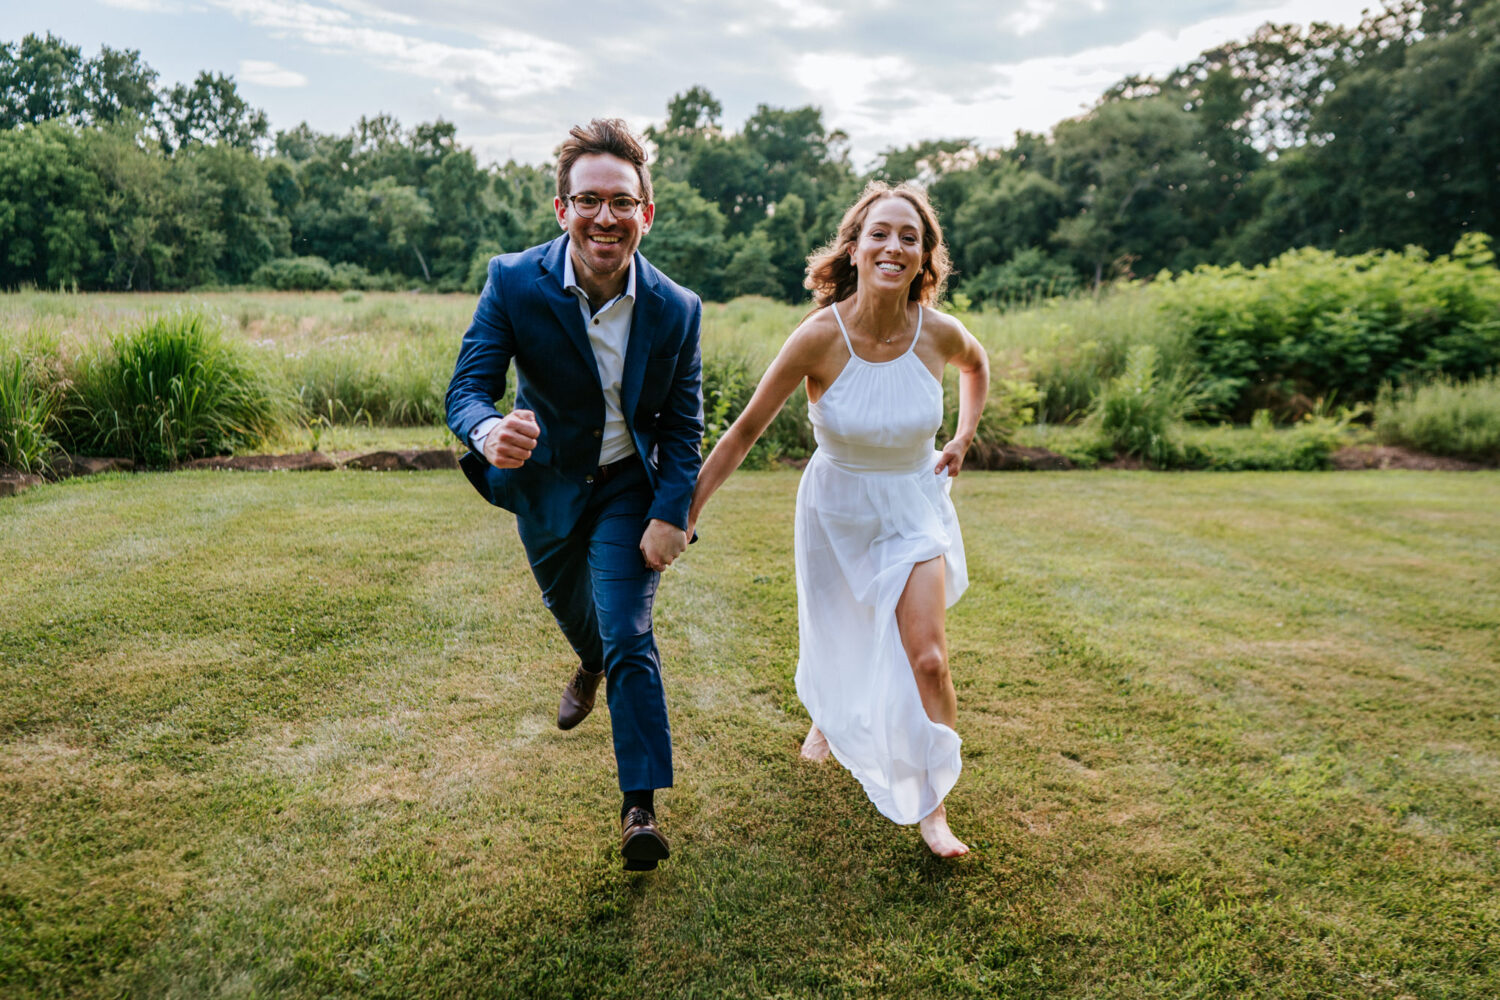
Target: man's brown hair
x,y
602,135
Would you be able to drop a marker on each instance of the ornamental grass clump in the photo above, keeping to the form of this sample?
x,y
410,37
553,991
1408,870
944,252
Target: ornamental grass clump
x,y
172,389
27,412
1443,417
1140,413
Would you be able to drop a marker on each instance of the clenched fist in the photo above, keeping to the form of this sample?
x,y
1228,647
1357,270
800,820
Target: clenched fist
x,y
510,442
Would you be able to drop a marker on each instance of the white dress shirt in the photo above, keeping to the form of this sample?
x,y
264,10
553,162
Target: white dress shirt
x,y
609,335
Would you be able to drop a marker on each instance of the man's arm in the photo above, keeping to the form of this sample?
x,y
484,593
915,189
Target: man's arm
x,y
680,431
483,361
678,452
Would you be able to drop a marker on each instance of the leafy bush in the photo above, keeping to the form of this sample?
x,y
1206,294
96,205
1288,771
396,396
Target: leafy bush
x,y
1028,276
349,382
298,274
171,390
1140,413
1307,445
27,410
1311,324
1443,417
728,383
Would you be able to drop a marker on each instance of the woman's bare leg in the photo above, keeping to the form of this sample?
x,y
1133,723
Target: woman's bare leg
x,y
921,617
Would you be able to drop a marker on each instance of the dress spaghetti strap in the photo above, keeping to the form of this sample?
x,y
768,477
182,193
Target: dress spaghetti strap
x,y
842,329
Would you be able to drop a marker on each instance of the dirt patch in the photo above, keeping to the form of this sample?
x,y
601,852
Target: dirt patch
x,y
1015,458
408,461
1380,456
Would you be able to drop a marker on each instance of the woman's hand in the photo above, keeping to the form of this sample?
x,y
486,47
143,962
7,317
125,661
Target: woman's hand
x,y
952,457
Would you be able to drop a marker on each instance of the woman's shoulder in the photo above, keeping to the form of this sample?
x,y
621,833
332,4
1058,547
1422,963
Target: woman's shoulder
x,y
818,331
943,328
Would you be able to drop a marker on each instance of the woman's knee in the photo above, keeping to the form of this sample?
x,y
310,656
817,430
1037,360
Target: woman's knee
x,y
930,664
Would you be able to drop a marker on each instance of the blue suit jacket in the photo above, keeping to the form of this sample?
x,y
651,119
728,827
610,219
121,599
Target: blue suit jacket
x,y
524,316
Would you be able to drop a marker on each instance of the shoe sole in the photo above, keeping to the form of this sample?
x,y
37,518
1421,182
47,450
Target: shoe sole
x,y
640,866
644,847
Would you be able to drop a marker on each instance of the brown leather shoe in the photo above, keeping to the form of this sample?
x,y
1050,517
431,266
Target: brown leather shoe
x,y
641,843
578,697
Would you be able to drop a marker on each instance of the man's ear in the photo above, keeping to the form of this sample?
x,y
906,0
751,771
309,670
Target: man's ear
x,y
560,208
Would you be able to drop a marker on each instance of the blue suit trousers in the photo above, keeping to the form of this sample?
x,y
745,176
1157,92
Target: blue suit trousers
x,y
597,585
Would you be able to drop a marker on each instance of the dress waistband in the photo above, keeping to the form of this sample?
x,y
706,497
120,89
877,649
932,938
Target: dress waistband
x,y
878,461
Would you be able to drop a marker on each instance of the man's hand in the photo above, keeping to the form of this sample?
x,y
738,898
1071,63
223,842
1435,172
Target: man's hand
x,y
662,543
510,442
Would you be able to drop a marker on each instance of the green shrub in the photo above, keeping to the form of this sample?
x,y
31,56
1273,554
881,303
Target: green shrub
x,y
170,390
27,411
1140,413
1306,445
1029,276
299,274
1311,324
728,383
1443,417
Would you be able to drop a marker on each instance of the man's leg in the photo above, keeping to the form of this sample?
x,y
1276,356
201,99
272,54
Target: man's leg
x,y
561,569
624,590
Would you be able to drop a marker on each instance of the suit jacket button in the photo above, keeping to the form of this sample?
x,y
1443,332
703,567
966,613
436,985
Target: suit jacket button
x,y
588,479
598,433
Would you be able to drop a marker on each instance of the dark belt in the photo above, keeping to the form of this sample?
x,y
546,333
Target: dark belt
x,y
605,473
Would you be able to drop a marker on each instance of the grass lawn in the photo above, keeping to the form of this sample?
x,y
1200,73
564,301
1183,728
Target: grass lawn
x,y
291,735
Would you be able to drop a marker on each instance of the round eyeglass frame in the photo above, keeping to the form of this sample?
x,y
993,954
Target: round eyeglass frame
x,y
583,213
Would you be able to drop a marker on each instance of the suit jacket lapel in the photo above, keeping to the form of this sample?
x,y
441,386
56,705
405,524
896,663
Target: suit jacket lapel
x,y
565,306
645,321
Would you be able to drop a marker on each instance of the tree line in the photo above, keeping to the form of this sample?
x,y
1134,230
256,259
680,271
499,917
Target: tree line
x,y
1349,138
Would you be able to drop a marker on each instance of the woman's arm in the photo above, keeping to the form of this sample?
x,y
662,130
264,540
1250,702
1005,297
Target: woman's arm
x,y
798,357
973,387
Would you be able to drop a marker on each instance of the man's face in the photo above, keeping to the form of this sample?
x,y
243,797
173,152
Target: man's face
x,y
602,246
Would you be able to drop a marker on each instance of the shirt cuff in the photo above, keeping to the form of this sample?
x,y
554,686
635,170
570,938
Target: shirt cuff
x,y
476,438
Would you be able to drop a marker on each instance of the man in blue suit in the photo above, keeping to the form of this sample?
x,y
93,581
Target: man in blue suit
x,y
599,456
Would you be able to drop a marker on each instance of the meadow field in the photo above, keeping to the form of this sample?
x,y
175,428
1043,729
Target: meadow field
x,y
292,735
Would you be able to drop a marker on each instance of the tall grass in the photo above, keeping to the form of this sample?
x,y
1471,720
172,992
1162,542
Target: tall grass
x,y
27,411
1140,412
172,389
1443,417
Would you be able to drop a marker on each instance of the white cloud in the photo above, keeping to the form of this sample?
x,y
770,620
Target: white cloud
x,y
268,74
146,6
511,63
806,14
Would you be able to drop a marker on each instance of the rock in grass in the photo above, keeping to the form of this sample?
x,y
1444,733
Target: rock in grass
x,y
410,461
91,465
13,482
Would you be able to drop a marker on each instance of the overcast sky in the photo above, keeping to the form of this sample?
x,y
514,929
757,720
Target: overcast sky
x,y
514,75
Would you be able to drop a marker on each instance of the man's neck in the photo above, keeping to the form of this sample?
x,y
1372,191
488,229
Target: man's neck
x,y
598,289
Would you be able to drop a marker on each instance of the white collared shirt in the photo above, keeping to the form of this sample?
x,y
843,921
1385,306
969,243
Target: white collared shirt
x,y
609,335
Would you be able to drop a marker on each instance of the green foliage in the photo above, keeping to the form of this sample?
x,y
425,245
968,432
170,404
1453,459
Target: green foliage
x,y
347,381
1307,445
172,389
1443,417
1028,276
28,404
1140,412
1311,324
294,274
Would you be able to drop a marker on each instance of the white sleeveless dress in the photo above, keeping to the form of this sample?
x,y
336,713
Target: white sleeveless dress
x,y
869,508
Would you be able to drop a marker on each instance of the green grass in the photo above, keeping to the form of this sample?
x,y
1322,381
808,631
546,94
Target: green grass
x,y
292,735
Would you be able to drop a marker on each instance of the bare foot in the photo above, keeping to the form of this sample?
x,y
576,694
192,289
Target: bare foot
x,y
815,747
940,839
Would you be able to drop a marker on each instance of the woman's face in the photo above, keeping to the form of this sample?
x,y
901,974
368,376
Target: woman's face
x,y
888,253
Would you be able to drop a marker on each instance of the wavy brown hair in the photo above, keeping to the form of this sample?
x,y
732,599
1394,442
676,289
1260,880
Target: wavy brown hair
x,y
602,135
830,273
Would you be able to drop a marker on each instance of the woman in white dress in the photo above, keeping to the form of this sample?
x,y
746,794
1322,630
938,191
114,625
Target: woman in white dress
x,y
878,553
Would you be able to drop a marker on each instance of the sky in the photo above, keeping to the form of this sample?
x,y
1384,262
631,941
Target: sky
x,y
513,76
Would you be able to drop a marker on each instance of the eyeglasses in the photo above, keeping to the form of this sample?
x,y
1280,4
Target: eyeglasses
x,y
621,206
